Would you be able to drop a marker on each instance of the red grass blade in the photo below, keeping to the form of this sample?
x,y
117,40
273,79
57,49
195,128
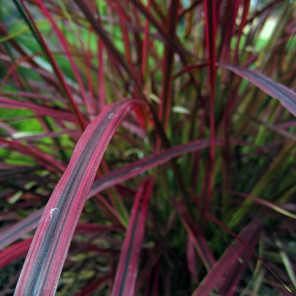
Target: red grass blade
x,y
31,95
48,250
126,274
14,252
232,254
16,231
94,285
15,104
286,96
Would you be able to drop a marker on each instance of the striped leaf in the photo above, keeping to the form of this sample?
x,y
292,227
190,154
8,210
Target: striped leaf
x,y
46,256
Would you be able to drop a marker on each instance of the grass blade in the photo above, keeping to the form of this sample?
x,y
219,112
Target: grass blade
x,y
48,250
14,252
125,279
16,231
15,104
286,96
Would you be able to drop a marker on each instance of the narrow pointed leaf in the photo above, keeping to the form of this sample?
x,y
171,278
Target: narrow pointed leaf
x,y
48,250
16,231
14,252
126,274
286,96
41,110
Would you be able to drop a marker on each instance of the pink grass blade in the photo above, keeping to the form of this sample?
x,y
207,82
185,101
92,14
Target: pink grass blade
x,y
125,280
14,252
286,96
31,95
16,231
74,133
44,263
233,252
196,236
41,110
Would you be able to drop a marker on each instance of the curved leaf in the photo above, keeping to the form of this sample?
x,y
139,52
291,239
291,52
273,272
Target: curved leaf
x,y
51,242
286,96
